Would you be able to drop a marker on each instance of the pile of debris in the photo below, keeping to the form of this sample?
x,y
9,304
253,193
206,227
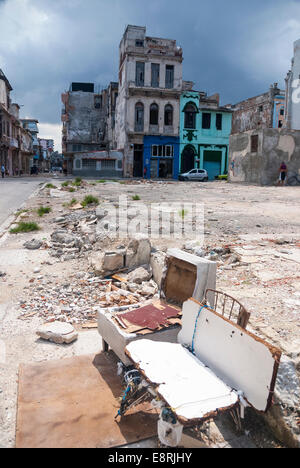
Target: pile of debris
x,y
78,300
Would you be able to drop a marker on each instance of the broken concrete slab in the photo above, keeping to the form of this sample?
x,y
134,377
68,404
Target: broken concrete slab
x,y
33,244
140,275
157,263
58,332
138,251
105,263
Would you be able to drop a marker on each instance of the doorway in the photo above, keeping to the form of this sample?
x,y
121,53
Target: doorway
x,y
138,154
188,159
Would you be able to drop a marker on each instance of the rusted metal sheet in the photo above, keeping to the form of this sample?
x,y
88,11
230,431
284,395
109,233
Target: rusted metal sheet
x,y
151,316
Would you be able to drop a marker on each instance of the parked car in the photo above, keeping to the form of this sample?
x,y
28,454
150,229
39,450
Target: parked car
x,y
195,174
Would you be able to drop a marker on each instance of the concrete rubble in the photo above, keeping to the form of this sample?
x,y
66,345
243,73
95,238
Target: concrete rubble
x,y
76,267
57,332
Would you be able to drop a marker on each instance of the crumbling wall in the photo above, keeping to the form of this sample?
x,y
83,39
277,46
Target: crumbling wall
x,y
256,112
262,166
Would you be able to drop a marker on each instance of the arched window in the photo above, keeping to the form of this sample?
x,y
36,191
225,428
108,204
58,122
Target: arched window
x,y
154,114
169,115
139,117
190,112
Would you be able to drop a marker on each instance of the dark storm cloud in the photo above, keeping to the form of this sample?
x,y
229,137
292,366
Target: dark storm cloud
x,y
233,47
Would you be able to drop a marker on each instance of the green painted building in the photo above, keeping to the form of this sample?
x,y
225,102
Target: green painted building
x,y
205,128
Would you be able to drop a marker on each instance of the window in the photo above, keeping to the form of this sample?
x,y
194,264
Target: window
x,y
139,117
261,108
154,114
155,75
190,116
98,102
139,43
254,143
108,164
169,151
77,148
219,119
89,163
162,151
170,76
206,120
169,115
140,74
281,111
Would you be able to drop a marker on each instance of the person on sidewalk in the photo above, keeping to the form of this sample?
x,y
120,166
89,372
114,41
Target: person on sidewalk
x,y
2,171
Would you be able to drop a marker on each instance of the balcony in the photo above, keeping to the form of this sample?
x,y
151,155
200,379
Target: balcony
x,y
13,143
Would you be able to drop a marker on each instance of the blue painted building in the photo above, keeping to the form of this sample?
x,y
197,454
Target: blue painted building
x,y
205,128
161,157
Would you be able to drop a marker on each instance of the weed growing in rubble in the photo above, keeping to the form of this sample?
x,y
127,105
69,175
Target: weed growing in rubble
x,y
42,210
136,197
90,200
71,189
77,182
51,186
101,181
182,213
25,227
72,202
65,184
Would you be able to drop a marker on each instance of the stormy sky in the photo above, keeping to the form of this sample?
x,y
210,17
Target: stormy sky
x,y
237,48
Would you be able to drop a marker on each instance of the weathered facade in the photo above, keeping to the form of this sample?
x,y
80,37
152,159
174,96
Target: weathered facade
x,y
264,111
256,155
31,126
99,164
88,118
15,141
292,103
147,118
204,133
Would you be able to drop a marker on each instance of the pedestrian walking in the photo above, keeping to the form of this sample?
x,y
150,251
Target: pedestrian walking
x,y
282,173
2,171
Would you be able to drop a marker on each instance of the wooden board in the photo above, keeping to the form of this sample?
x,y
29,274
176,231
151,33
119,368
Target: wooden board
x,y
72,403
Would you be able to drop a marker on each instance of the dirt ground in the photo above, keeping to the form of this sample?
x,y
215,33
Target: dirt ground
x,y
261,225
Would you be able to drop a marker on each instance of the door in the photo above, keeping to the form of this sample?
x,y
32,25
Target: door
x,y
138,154
213,163
187,159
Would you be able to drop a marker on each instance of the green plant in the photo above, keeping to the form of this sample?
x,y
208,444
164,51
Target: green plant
x,y
65,184
72,202
77,182
25,227
51,186
71,189
182,213
90,200
101,181
136,197
42,210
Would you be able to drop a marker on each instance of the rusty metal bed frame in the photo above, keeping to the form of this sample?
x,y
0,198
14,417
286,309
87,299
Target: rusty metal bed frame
x,y
229,307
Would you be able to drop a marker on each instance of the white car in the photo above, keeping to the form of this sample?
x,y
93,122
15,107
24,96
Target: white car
x,y
195,174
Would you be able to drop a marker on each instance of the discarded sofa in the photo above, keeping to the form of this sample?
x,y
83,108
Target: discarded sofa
x,y
216,366
184,276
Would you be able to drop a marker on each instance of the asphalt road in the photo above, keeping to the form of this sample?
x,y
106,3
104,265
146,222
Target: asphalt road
x,y
14,192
